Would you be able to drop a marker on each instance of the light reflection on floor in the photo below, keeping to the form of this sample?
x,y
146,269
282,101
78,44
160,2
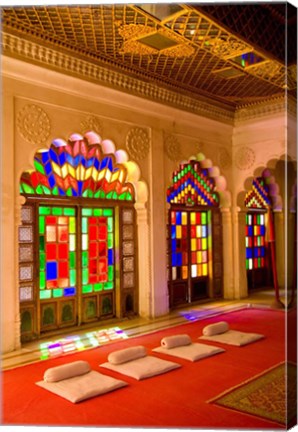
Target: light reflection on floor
x,y
74,343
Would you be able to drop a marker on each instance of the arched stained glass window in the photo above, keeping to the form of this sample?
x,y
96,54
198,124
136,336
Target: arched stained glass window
x,y
257,201
78,227
194,221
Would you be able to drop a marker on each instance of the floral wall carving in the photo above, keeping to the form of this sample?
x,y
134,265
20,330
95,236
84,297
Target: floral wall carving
x,y
33,124
244,158
92,123
138,143
172,147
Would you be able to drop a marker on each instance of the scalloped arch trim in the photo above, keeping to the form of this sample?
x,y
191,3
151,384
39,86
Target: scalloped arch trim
x,y
84,166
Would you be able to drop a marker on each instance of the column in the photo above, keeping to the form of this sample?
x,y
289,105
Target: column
x,y
145,307
239,226
228,261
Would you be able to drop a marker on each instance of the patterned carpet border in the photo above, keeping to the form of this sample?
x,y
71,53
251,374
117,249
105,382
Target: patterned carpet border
x,y
265,395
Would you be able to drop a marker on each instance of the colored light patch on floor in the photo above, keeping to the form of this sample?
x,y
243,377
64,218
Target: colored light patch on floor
x,y
71,344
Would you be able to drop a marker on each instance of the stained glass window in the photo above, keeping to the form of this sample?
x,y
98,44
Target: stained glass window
x,y
189,244
57,252
97,249
255,241
76,169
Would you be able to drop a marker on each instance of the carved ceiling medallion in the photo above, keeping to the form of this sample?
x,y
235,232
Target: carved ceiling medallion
x,y
146,40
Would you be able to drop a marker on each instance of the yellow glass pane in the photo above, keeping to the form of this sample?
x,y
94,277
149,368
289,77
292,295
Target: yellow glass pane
x,y
199,257
199,231
204,244
184,218
199,273
178,232
192,218
205,269
184,272
193,245
255,230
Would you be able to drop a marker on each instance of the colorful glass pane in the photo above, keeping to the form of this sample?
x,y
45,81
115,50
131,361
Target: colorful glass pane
x,y
255,241
258,196
57,253
97,249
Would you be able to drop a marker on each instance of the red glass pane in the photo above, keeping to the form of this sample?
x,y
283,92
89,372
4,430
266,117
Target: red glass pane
x,y
199,244
92,250
198,218
102,265
183,244
193,230
93,232
184,231
51,252
93,266
102,277
184,258
255,262
93,279
63,269
102,234
63,251
92,220
52,284
173,218
102,249
62,233
51,220
101,220
193,257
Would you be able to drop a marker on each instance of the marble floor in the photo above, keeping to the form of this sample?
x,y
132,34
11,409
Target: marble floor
x,y
111,331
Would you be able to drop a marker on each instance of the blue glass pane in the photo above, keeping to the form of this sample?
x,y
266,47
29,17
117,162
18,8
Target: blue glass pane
x,y
53,156
110,257
250,230
45,156
178,218
204,231
51,270
262,230
48,168
69,291
174,245
174,259
52,181
173,232
248,253
179,259
62,158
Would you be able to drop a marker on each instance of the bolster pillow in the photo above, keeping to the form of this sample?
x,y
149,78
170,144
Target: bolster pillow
x,y
68,370
175,341
215,329
127,354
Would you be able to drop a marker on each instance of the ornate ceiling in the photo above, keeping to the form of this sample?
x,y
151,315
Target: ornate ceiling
x,y
230,55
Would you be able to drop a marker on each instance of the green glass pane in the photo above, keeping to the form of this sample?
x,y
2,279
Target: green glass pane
x,y
129,197
97,212
84,225
39,190
122,197
72,225
100,194
28,189
69,211
203,218
38,166
41,225
108,212
44,210
55,191
57,211
98,287
108,285
87,289
86,212
85,276
45,294
42,261
72,260
41,244
57,293
109,195
42,280
85,193
115,195
46,190
247,264
110,224
110,240
110,273
73,277
85,260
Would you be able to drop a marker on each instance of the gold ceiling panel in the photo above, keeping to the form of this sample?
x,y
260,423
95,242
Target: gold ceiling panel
x,y
174,45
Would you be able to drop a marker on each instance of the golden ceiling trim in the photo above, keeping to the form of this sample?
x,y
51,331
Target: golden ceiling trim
x,y
133,34
268,107
49,58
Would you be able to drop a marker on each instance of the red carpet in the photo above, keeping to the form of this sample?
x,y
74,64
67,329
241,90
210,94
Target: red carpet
x,y
175,399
